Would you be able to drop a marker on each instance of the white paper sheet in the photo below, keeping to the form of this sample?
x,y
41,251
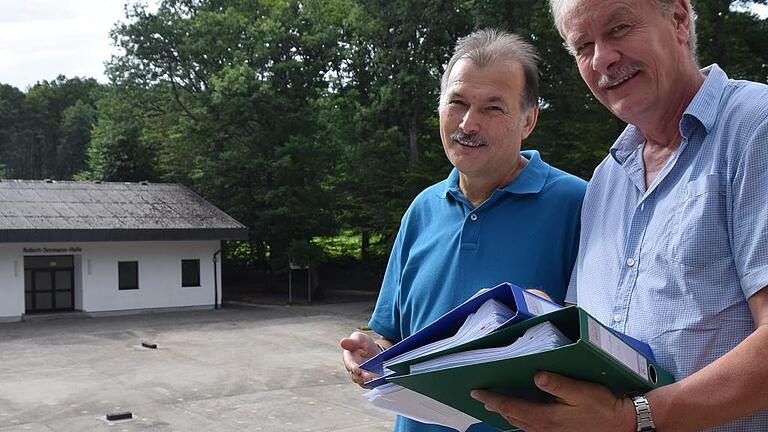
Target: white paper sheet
x,y
405,402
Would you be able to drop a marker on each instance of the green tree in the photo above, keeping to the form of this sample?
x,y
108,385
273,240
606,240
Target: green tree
x,y
303,117
733,37
12,107
234,83
72,149
49,128
119,150
384,102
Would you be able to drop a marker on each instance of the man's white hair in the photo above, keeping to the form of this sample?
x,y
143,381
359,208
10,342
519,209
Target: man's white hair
x,y
561,8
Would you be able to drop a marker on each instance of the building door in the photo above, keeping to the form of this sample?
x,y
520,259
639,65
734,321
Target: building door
x,y
49,284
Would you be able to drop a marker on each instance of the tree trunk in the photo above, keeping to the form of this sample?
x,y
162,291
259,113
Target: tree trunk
x,y
365,244
413,144
315,287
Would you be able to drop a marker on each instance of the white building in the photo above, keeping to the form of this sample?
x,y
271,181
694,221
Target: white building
x,y
101,247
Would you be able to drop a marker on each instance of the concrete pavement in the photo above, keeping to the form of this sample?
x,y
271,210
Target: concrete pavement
x,y
239,368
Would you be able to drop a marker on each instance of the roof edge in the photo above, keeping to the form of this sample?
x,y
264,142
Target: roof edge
x,y
96,235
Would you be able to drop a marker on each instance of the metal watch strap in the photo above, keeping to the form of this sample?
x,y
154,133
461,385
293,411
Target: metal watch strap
x,y
643,411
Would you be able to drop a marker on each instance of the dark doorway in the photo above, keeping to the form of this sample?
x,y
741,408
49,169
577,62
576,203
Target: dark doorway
x,y
49,283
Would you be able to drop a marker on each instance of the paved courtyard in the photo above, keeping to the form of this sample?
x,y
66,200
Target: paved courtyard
x,y
240,368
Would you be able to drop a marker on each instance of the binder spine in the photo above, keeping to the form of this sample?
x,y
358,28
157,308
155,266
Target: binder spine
x,y
608,344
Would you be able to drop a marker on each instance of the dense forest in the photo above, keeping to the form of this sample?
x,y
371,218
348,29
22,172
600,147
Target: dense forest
x,y
313,122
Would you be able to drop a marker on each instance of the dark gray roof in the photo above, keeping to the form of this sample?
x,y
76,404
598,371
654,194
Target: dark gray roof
x,y
52,211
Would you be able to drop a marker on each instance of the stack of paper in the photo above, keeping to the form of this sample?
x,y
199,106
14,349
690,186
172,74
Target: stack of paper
x,y
405,402
498,340
539,338
490,316
567,341
523,305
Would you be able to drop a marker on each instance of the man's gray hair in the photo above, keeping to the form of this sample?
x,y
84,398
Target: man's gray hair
x,y
490,46
561,8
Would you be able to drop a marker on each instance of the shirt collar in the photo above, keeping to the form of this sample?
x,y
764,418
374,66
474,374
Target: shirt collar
x,y
702,110
705,105
530,180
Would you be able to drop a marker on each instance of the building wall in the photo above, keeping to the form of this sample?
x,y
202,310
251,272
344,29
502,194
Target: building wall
x,y
96,274
11,283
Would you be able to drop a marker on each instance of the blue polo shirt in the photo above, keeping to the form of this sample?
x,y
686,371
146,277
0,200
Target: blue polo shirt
x,y
525,233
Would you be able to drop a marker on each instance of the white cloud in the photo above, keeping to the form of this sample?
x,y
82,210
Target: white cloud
x,y
761,10
41,39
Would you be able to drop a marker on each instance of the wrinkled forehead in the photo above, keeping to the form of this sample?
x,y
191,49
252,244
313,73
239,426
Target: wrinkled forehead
x,y
496,81
569,14
561,8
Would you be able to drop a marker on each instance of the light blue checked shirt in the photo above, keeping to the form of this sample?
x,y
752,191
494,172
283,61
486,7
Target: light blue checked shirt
x,y
674,264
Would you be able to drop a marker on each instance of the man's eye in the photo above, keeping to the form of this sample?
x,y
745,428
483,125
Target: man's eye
x,y
584,48
619,29
494,108
456,102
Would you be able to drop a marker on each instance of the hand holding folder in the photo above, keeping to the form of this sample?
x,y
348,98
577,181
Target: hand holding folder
x,y
479,345
592,352
358,348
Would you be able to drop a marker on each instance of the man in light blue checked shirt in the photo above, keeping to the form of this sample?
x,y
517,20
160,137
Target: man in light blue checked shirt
x,y
674,239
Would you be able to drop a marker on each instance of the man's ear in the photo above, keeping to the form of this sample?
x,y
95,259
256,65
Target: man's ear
x,y
528,122
683,20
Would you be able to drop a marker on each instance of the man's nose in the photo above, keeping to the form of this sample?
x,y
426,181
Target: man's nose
x,y
605,55
470,122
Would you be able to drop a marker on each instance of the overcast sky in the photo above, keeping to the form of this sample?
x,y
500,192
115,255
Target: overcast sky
x,y
40,39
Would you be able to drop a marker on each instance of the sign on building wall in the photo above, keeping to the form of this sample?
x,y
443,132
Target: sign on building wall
x,y
58,250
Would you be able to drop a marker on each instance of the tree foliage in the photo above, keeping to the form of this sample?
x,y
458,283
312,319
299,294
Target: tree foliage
x,y
45,133
308,118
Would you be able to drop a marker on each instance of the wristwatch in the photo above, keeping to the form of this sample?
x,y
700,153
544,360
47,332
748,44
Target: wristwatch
x,y
643,411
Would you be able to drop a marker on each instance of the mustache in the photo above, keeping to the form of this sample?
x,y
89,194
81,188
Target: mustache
x,y
471,139
623,71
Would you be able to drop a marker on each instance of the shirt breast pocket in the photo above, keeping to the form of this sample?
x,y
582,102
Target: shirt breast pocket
x,y
701,224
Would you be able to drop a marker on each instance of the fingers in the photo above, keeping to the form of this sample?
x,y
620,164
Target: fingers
x,y
351,361
512,409
360,377
492,401
580,406
568,391
540,293
357,348
356,374
359,341
350,344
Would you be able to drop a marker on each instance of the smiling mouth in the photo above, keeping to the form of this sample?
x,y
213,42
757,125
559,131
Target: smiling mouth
x,y
467,140
469,143
611,83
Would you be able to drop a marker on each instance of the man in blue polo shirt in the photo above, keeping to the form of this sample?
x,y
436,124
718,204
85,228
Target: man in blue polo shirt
x,y
501,215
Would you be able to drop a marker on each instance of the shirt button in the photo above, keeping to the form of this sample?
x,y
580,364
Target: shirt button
x,y
617,318
473,217
630,262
